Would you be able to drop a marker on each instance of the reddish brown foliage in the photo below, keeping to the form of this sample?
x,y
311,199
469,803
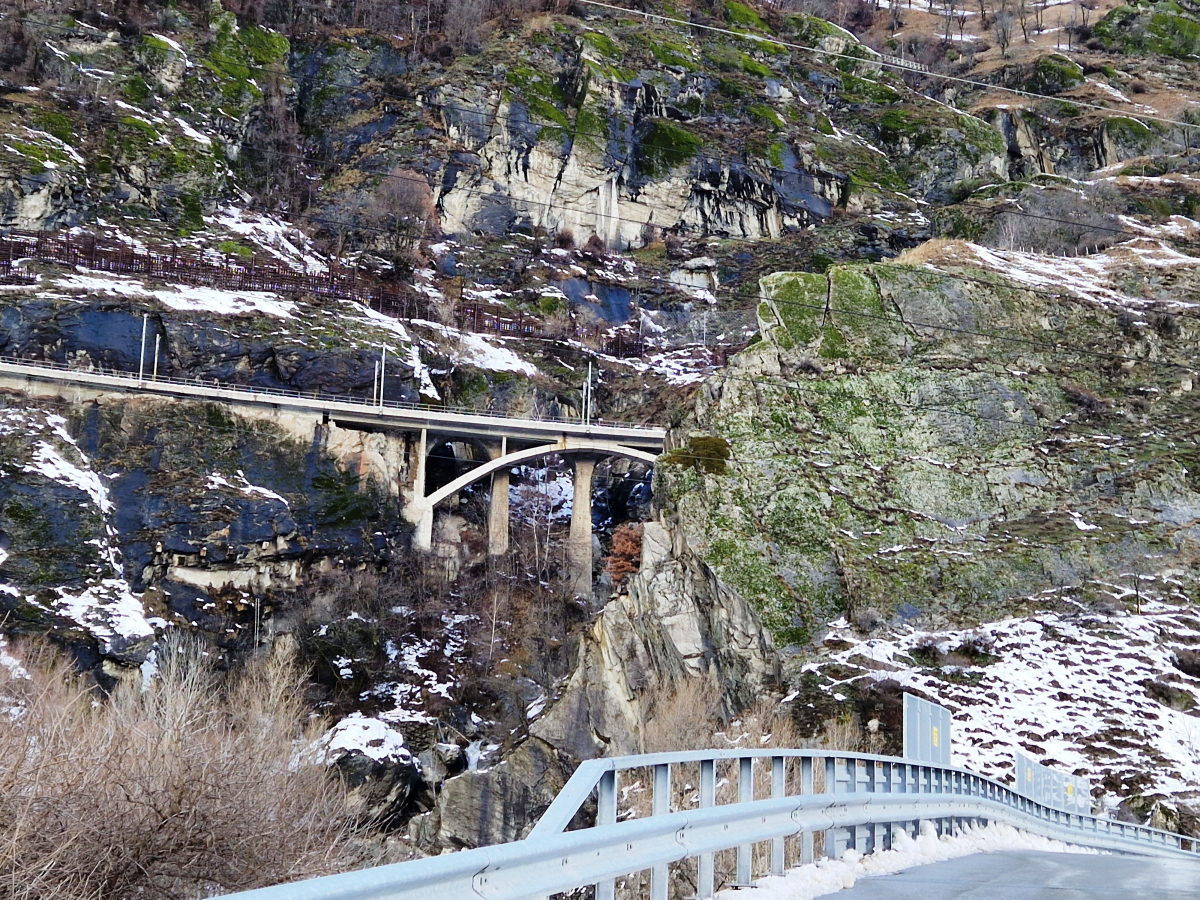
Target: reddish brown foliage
x,y
626,555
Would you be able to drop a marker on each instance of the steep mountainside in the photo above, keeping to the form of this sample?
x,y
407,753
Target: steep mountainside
x,y
913,293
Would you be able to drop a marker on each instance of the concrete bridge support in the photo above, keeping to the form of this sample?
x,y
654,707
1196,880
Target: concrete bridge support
x,y
498,505
579,543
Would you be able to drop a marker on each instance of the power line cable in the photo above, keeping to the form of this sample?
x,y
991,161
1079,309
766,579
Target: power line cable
x,y
876,59
552,206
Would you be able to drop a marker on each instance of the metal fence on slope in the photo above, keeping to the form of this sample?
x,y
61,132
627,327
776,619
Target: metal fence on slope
x,y
237,273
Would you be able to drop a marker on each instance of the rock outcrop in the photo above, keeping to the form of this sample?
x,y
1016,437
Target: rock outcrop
x,y
675,621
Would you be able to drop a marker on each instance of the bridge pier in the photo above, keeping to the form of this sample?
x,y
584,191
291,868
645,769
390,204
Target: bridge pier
x,y
579,543
420,511
498,505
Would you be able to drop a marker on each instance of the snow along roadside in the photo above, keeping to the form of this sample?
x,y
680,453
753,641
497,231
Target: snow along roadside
x,y
827,876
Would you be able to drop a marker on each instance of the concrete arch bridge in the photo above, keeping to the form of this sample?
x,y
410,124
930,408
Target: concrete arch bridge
x,y
583,452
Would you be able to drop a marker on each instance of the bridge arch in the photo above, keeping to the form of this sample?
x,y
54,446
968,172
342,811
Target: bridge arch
x,y
590,448
579,544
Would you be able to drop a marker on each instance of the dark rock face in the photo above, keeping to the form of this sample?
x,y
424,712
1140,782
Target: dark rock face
x,y
107,334
383,791
476,809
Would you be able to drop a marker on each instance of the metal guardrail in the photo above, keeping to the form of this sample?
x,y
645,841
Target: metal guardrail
x,y
863,801
460,417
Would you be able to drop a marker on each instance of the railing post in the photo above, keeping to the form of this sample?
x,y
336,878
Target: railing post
x,y
830,788
708,797
778,789
606,814
661,800
806,788
745,852
872,832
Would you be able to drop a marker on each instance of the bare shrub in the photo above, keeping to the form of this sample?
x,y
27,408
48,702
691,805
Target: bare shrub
x,y
1057,220
1139,87
186,788
401,211
595,247
1089,400
565,239
1166,324
684,716
933,250
626,555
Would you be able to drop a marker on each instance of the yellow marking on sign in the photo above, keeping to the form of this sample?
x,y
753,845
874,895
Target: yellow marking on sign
x,y
1029,774
1070,790
935,736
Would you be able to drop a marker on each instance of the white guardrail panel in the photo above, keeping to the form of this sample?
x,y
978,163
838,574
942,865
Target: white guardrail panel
x,y
869,799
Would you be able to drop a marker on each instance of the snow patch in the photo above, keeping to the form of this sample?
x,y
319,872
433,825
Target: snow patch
x,y
369,736
831,875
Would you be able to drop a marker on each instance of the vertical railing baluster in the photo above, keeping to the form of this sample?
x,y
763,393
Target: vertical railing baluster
x,y
830,788
606,814
708,796
745,852
872,835
778,788
806,788
661,800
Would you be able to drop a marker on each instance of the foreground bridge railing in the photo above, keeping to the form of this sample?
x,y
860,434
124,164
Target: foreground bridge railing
x,y
828,801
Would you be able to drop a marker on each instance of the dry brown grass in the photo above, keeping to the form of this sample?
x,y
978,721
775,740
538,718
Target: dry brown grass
x,y
934,250
188,788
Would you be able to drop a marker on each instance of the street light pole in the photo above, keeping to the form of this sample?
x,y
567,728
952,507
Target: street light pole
x,y
382,374
142,354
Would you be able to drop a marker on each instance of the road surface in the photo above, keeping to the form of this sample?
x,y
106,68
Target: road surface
x,y
1031,875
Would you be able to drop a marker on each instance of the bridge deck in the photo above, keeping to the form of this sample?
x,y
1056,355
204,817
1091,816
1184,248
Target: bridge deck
x,y
347,412
1032,875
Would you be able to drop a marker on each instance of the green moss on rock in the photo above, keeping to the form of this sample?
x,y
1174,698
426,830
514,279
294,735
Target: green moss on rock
x,y
665,146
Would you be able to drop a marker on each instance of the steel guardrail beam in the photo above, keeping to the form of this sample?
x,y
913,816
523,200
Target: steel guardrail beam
x,y
390,413
536,868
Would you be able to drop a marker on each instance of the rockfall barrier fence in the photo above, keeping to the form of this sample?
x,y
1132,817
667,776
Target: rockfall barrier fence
x,y
237,273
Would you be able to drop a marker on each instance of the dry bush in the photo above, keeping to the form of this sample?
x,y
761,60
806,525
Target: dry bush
x,y
564,239
626,555
934,250
187,788
682,717
595,247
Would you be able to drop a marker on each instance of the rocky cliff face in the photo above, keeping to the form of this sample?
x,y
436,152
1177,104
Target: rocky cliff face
x,y
918,443
674,621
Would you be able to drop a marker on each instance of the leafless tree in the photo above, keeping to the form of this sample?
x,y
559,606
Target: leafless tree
x,y
1002,29
1023,18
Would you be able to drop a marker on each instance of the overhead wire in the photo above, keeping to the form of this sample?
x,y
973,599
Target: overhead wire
x,y
572,130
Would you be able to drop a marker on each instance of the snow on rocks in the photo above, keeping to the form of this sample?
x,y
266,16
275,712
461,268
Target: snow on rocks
x,y
369,736
828,876
285,242
100,602
473,350
180,296
216,481
1100,278
1089,693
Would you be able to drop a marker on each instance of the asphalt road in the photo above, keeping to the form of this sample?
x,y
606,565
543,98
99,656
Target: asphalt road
x,y
1030,875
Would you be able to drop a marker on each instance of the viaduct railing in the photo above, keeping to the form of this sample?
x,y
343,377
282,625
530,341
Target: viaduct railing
x,y
828,801
254,274
450,419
